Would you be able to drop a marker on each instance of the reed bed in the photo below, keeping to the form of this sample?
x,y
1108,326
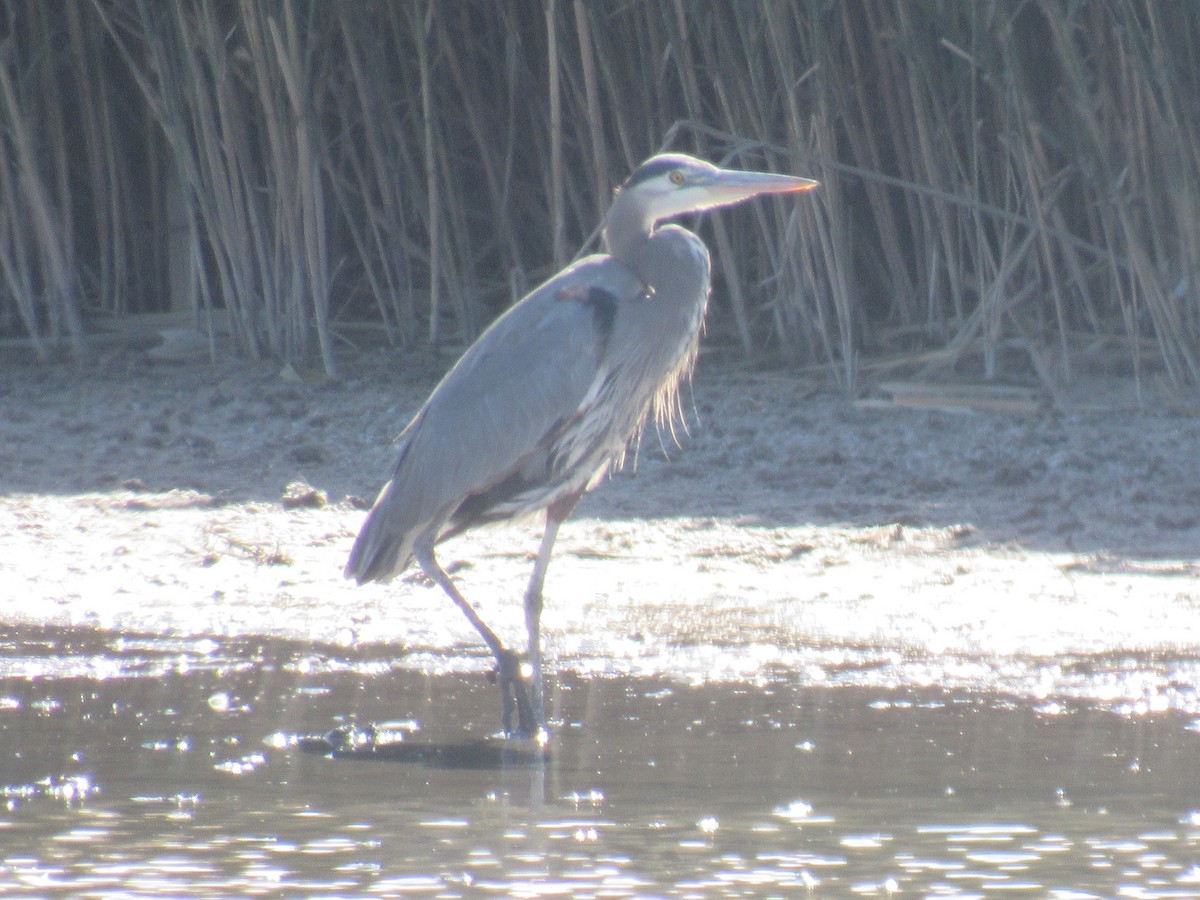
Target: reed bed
x,y
1009,190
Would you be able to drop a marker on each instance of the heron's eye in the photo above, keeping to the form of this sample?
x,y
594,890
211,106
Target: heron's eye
x,y
677,177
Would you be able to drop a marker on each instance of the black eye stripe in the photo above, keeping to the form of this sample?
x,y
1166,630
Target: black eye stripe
x,y
650,170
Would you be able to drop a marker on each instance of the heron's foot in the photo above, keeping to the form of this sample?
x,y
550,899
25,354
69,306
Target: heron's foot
x,y
514,693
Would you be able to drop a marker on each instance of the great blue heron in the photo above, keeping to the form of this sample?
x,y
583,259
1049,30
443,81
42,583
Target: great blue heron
x,y
547,399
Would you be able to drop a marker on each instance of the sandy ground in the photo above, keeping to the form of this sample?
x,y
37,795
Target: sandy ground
x,y
790,531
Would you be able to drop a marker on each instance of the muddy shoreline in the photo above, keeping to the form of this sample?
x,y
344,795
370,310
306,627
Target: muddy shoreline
x,y
787,529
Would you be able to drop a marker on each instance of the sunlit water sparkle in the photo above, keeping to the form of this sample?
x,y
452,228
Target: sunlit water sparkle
x,y
149,767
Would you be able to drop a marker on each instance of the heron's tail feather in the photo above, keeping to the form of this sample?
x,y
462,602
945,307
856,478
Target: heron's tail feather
x,y
379,551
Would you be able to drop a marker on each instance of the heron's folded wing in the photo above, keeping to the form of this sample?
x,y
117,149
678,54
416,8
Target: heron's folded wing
x,y
525,377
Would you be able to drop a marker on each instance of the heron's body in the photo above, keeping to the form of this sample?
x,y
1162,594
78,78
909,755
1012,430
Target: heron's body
x,y
548,398
558,407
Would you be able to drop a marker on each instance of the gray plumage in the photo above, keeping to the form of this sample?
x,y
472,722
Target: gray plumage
x,y
545,402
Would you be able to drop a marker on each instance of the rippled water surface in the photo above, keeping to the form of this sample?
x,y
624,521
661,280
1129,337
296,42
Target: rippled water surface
x,y
169,767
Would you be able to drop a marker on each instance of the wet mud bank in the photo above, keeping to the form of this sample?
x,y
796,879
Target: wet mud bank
x,y
1049,555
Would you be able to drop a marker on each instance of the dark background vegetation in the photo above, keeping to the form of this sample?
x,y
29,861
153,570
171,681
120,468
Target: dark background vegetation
x,y
1009,188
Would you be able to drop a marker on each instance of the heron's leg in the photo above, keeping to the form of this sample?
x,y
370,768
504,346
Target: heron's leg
x,y
512,687
533,617
555,515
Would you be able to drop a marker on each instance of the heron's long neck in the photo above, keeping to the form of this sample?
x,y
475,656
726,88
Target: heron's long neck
x,y
626,228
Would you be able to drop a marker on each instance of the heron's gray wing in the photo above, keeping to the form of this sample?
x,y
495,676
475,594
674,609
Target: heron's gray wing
x,y
523,379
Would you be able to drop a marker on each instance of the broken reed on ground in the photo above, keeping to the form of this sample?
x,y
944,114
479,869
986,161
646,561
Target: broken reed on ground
x,y
1003,184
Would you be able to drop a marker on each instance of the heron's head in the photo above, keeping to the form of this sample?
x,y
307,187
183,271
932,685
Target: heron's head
x,y
673,184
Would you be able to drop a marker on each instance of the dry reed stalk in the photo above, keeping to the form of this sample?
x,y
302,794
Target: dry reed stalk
x,y
422,22
594,116
475,110
101,146
370,183
43,262
308,168
558,232
15,265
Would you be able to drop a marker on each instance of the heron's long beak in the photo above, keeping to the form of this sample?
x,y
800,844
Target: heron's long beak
x,y
733,185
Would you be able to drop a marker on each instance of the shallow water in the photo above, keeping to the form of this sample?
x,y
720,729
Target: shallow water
x,y
155,766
